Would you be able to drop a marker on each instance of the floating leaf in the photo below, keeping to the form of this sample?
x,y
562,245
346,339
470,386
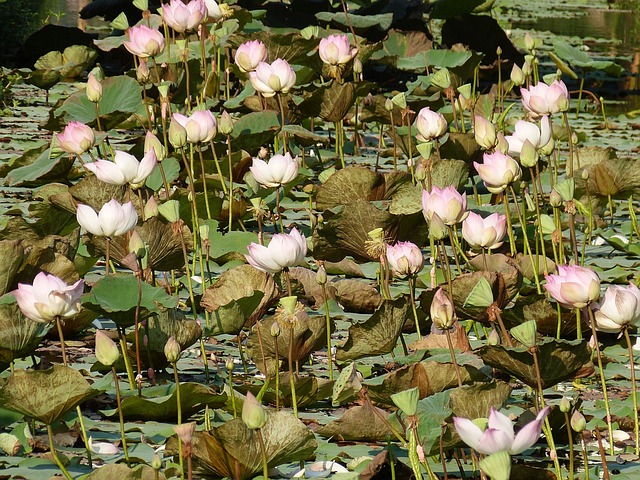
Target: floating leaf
x,y
358,424
475,401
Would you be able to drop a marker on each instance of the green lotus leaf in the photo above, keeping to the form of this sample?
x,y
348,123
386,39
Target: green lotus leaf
x,y
120,471
475,401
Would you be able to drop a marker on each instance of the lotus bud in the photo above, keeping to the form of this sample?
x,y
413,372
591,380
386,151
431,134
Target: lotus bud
x,y
497,465
528,155
420,171
177,135
172,350
137,245
493,338
407,401
145,340
151,208
142,72
525,333
585,174
442,312
502,145
517,75
565,405
185,432
228,364
549,147
107,352
153,142
275,329
225,124
170,210
204,231
321,276
529,42
156,462
357,66
485,132
94,89
499,50
254,415
437,228
555,199
574,138
388,105
526,68
578,422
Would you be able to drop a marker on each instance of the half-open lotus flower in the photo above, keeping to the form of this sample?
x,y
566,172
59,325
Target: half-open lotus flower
x,y
573,286
284,250
113,220
201,125
484,232
447,203
124,169
498,436
543,99
278,171
538,136
250,54
405,258
182,17
76,138
49,298
430,124
278,77
498,170
335,50
144,41
619,309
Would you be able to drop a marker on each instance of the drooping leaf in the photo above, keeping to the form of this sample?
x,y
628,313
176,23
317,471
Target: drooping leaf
x,y
358,424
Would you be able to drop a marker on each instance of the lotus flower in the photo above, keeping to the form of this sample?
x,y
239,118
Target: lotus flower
x,y
278,77
620,308
76,138
484,232
182,17
485,132
200,126
442,311
405,258
498,171
538,136
284,250
336,50
94,89
113,220
144,41
250,54
280,169
214,12
447,203
543,99
430,124
49,298
499,436
573,286
124,169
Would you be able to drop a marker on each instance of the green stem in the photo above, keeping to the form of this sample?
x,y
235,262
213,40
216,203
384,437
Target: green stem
x,y
507,211
230,182
85,438
179,406
218,170
278,214
204,180
412,296
634,392
453,357
54,454
127,360
567,421
61,337
328,321
527,246
292,380
282,123
120,415
263,451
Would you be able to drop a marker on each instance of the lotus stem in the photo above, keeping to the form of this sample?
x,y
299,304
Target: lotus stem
x,y
571,449
138,276
585,459
125,357
120,415
603,380
285,146
275,339
604,114
263,451
230,182
85,438
179,406
454,249
292,380
278,215
54,454
537,205
204,179
231,391
453,357
507,211
187,76
328,321
61,337
178,227
107,257
217,163
527,246
569,164
384,420
603,455
634,393
393,131
98,116
412,296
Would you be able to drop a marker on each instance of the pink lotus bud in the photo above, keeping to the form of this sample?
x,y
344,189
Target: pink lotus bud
x,y
94,89
172,350
142,72
254,415
539,137
405,258
177,133
485,132
280,170
543,99
498,171
183,17
76,138
430,124
268,80
144,41
517,75
573,286
442,312
250,54
48,298
620,308
284,250
336,50
484,232
152,142
447,203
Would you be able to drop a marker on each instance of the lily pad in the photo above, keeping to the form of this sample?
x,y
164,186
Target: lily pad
x,y
475,401
358,424
122,472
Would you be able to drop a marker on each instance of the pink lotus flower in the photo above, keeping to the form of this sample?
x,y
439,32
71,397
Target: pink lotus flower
x,y
499,436
447,203
49,298
112,221
336,50
543,99
271,79
125,169
485,132
280,169
538,136
76,138
498,171
484,232
250,54
182,17
200,126
620,308
405,258
284,250
144,41
573,286
442,311
214,12
430,124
